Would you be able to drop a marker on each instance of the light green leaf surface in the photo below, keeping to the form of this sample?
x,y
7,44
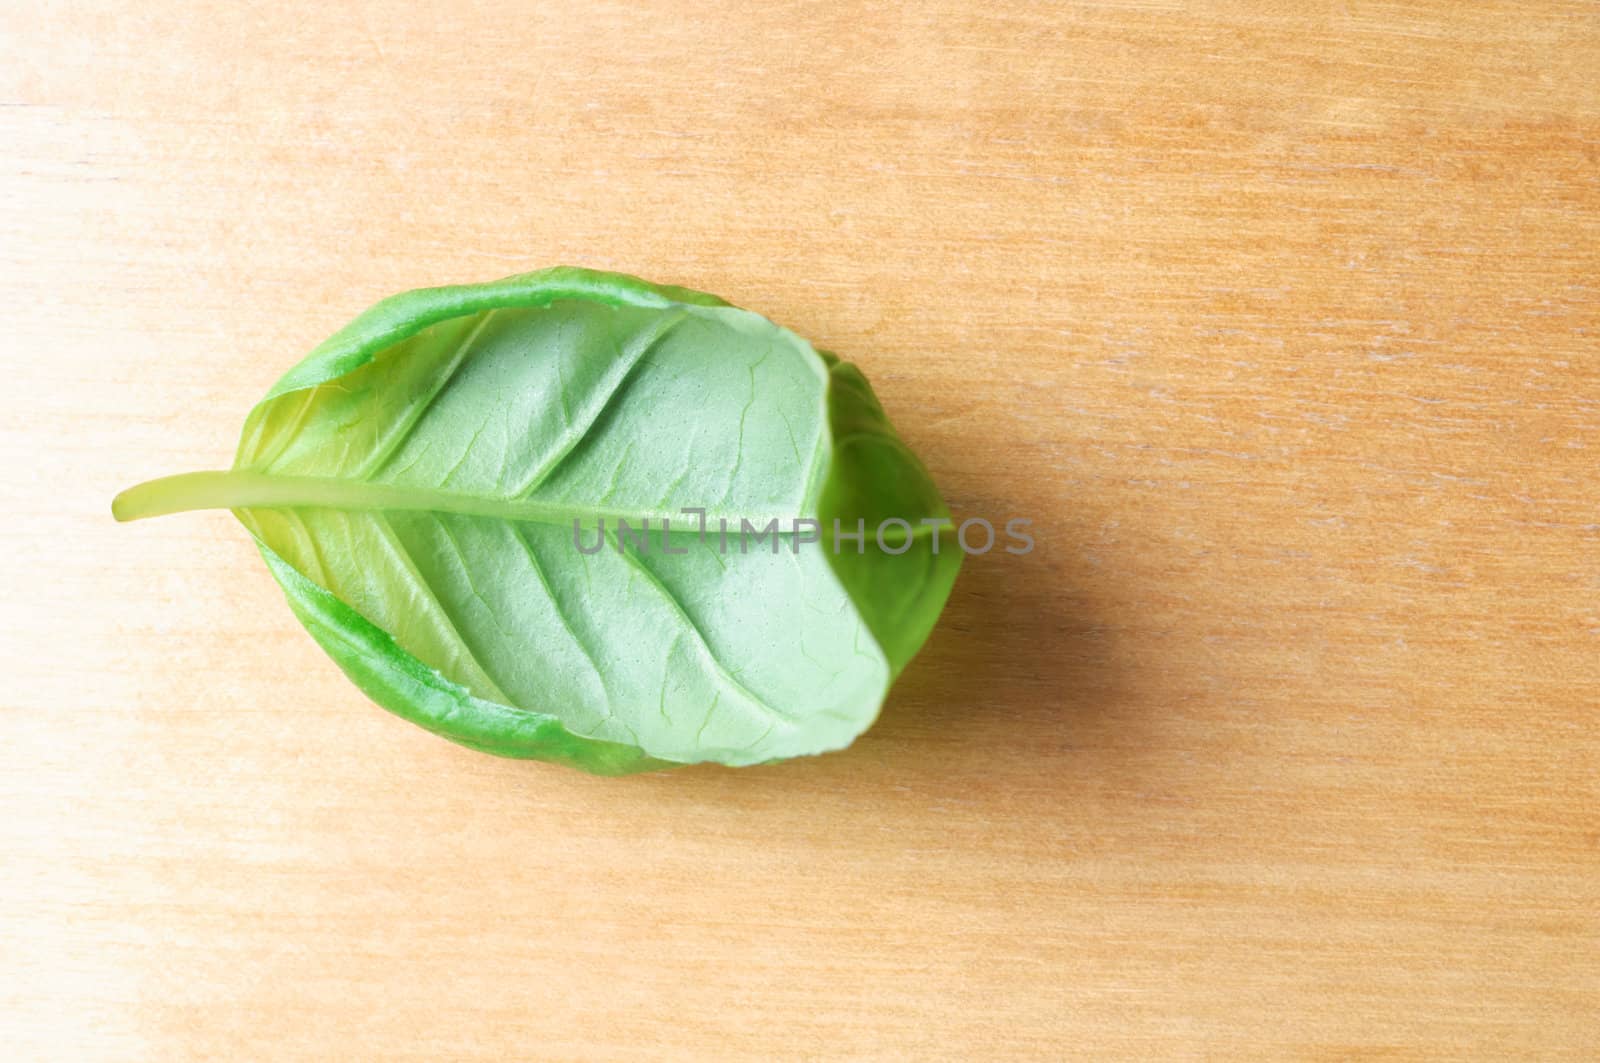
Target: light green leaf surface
x,y
415,485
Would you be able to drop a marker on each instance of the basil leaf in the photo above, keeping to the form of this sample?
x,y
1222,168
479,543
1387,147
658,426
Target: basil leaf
x,y
429,488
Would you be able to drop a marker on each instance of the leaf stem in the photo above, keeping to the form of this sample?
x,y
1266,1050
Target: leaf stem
x,y
219,489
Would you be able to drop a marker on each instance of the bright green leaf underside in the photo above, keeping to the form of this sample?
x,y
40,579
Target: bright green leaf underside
x,y
415,482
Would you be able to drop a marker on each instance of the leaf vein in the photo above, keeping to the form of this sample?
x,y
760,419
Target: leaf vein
x,y
718,668
392,540
576,433
381,457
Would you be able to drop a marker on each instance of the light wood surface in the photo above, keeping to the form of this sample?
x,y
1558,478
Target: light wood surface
x,y
1279,320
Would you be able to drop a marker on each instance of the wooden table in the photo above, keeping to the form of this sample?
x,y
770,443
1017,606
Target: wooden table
x,y
1279,320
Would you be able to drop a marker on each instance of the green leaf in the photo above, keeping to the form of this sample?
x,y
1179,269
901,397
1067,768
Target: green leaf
x,y
429,487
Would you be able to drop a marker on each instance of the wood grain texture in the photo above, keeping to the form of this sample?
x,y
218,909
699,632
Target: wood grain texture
x,y
1279,320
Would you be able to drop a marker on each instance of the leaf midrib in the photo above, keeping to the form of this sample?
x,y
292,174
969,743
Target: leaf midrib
x,y
246,489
